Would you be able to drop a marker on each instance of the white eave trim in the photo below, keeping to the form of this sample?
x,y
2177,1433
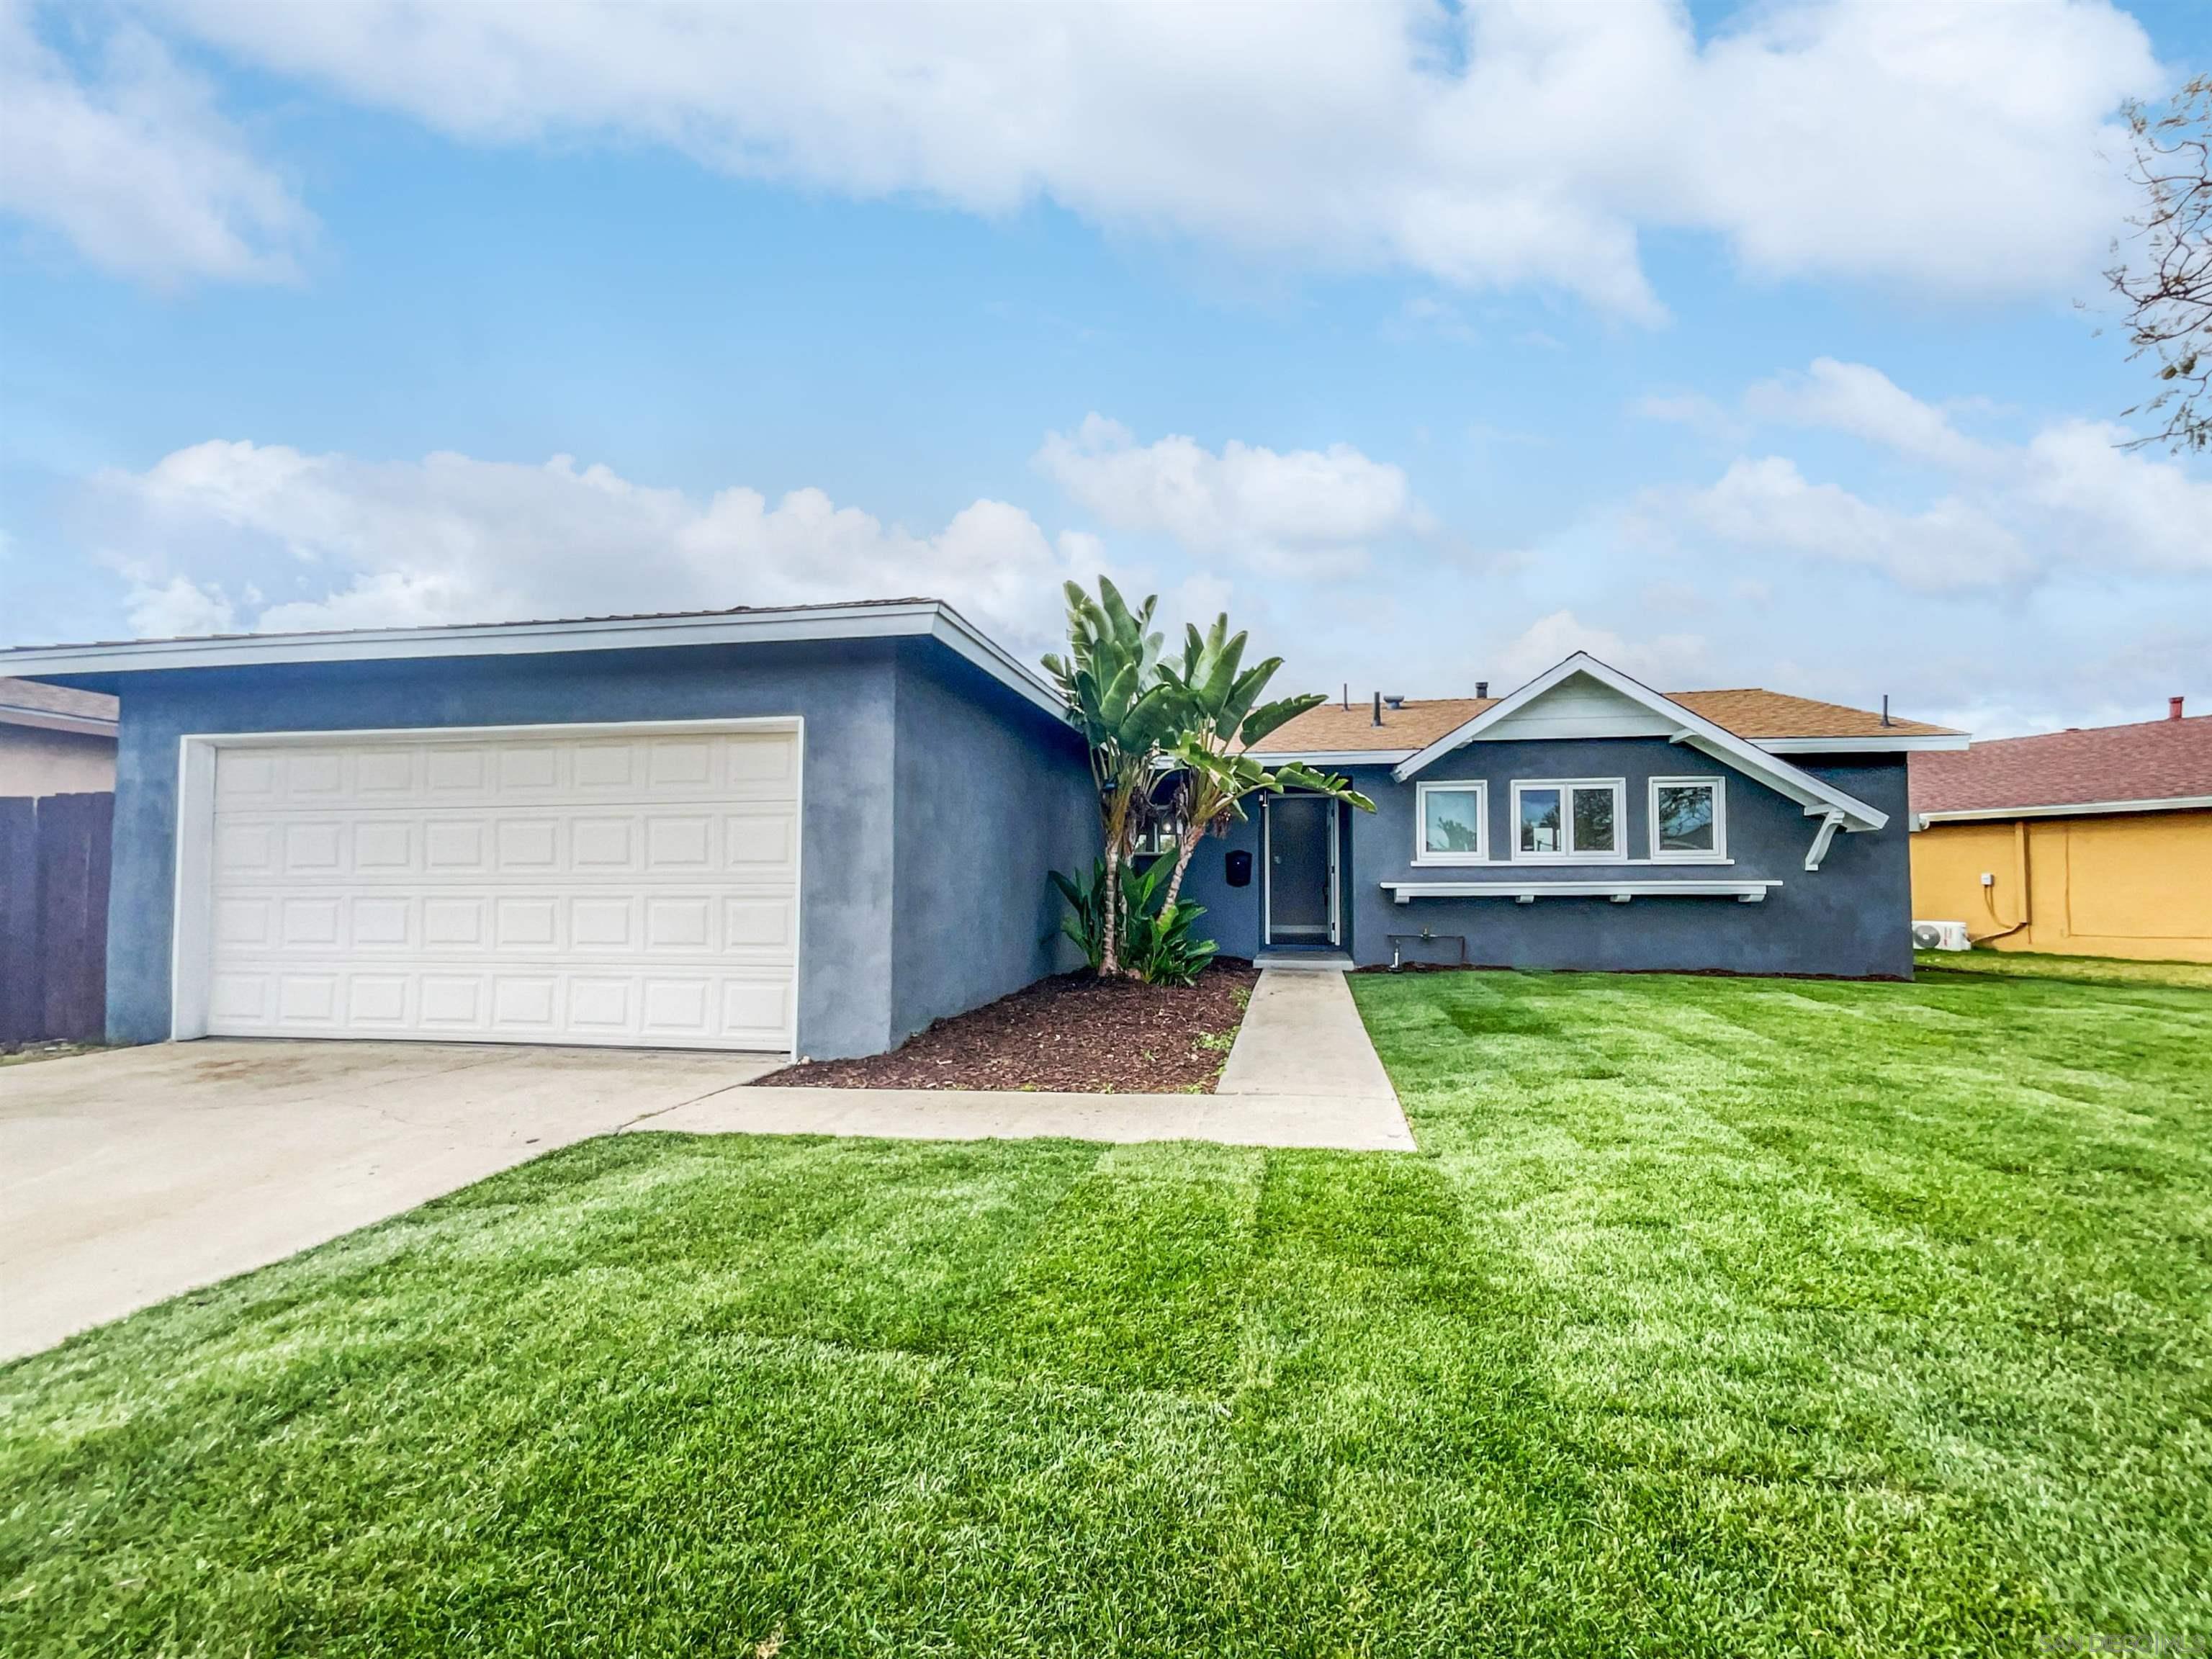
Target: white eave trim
x,y
1329,756
817,622
1917,744
1620,892
54,720
2066,809
1696,732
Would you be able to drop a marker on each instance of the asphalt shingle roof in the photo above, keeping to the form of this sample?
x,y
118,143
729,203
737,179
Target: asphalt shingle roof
x,y
1748,711
29,697
2154,760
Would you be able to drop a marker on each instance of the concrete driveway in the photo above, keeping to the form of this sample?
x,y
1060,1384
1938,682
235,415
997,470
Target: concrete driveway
x,y
128,1176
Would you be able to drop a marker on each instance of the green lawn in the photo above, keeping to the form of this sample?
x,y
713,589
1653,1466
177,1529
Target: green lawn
x,y
1720,1317
2088,971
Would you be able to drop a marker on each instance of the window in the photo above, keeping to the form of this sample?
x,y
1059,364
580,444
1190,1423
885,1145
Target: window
x,y
1689,820
1572,818
1450,817
1540,830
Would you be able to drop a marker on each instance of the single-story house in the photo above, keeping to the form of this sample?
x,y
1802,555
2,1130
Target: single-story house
x,y
2091,841
815,830
55,741
809,831
1585,821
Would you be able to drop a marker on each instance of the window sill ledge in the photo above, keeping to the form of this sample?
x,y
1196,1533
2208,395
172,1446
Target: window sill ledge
x,y
1620,892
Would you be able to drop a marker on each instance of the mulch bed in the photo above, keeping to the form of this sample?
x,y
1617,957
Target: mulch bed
x,y
1076,1032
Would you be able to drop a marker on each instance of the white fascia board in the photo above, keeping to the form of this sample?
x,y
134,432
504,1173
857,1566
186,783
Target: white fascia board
x,y
1816,795
1696,732
50,720
2068,810
1512,702
954,631
1918,742
812,624
1329,756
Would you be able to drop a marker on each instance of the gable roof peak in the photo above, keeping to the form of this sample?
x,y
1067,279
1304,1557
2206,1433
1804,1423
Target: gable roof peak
x,y
1695,730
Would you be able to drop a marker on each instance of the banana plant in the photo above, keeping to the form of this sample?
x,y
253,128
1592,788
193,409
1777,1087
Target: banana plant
x,y
1215,774
1128,711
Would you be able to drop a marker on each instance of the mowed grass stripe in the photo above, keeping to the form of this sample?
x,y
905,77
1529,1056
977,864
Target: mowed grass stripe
x,y
1714,1317
1835,1268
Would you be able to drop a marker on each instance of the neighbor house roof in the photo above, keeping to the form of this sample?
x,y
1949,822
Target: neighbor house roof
x,y
55,708
2155,765
1762,716
98,664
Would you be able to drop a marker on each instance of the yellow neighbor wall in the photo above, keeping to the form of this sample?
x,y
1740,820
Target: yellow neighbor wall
x,y
2134,884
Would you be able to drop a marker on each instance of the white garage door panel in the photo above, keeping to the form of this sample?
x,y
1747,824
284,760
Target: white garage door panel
x,y
619,890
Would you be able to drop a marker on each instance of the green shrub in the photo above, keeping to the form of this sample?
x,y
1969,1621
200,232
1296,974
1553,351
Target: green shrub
x,y
1160,943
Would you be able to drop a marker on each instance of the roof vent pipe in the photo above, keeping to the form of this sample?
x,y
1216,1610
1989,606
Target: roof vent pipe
x,y
1347,696
1884,708
1378,709
2173,709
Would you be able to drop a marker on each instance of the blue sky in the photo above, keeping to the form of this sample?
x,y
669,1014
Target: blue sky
x,y
1739,346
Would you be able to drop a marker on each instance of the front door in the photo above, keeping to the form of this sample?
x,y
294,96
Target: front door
x,y
1301,869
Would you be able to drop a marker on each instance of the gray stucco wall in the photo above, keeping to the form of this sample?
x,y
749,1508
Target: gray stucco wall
x,y
846,693
993,794
1850,918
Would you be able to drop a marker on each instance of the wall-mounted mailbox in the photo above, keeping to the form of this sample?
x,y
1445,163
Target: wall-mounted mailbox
x,y
1236,868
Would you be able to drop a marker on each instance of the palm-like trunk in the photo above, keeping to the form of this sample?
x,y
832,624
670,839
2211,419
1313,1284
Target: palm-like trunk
x,y
1191,838
1109,963
1117,835
1199,809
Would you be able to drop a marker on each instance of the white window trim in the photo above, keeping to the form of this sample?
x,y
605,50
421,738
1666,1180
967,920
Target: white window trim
x,y
1613,854
1481,791
1719,853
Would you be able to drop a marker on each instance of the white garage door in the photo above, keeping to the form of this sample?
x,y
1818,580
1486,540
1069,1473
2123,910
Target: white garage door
x,y
612,888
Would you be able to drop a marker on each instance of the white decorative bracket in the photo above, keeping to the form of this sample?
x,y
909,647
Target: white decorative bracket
x,y
1829,823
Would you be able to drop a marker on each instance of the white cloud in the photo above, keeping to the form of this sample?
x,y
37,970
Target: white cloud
x,y
335,542
2116,506
178,608
1867,404
133,165
2070,500
1693,409
1512,143
1304,513
1769,504
1664,662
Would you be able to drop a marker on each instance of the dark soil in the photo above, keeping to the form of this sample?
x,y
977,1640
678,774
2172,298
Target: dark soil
x,y
1076,1032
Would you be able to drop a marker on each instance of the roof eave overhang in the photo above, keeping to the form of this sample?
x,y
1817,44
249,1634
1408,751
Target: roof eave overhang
x,y
49,720
1740,753
2066,809
1329,756
929,620
1915,742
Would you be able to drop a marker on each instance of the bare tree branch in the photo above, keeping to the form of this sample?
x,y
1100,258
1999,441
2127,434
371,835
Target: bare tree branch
x,y
2167,283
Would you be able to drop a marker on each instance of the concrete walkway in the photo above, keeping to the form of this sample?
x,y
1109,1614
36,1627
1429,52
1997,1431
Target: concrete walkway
x,y
1260,1119
1302,1036
1302,1073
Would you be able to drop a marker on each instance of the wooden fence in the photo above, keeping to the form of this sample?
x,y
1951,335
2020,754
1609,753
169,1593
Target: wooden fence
x,y
53,918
